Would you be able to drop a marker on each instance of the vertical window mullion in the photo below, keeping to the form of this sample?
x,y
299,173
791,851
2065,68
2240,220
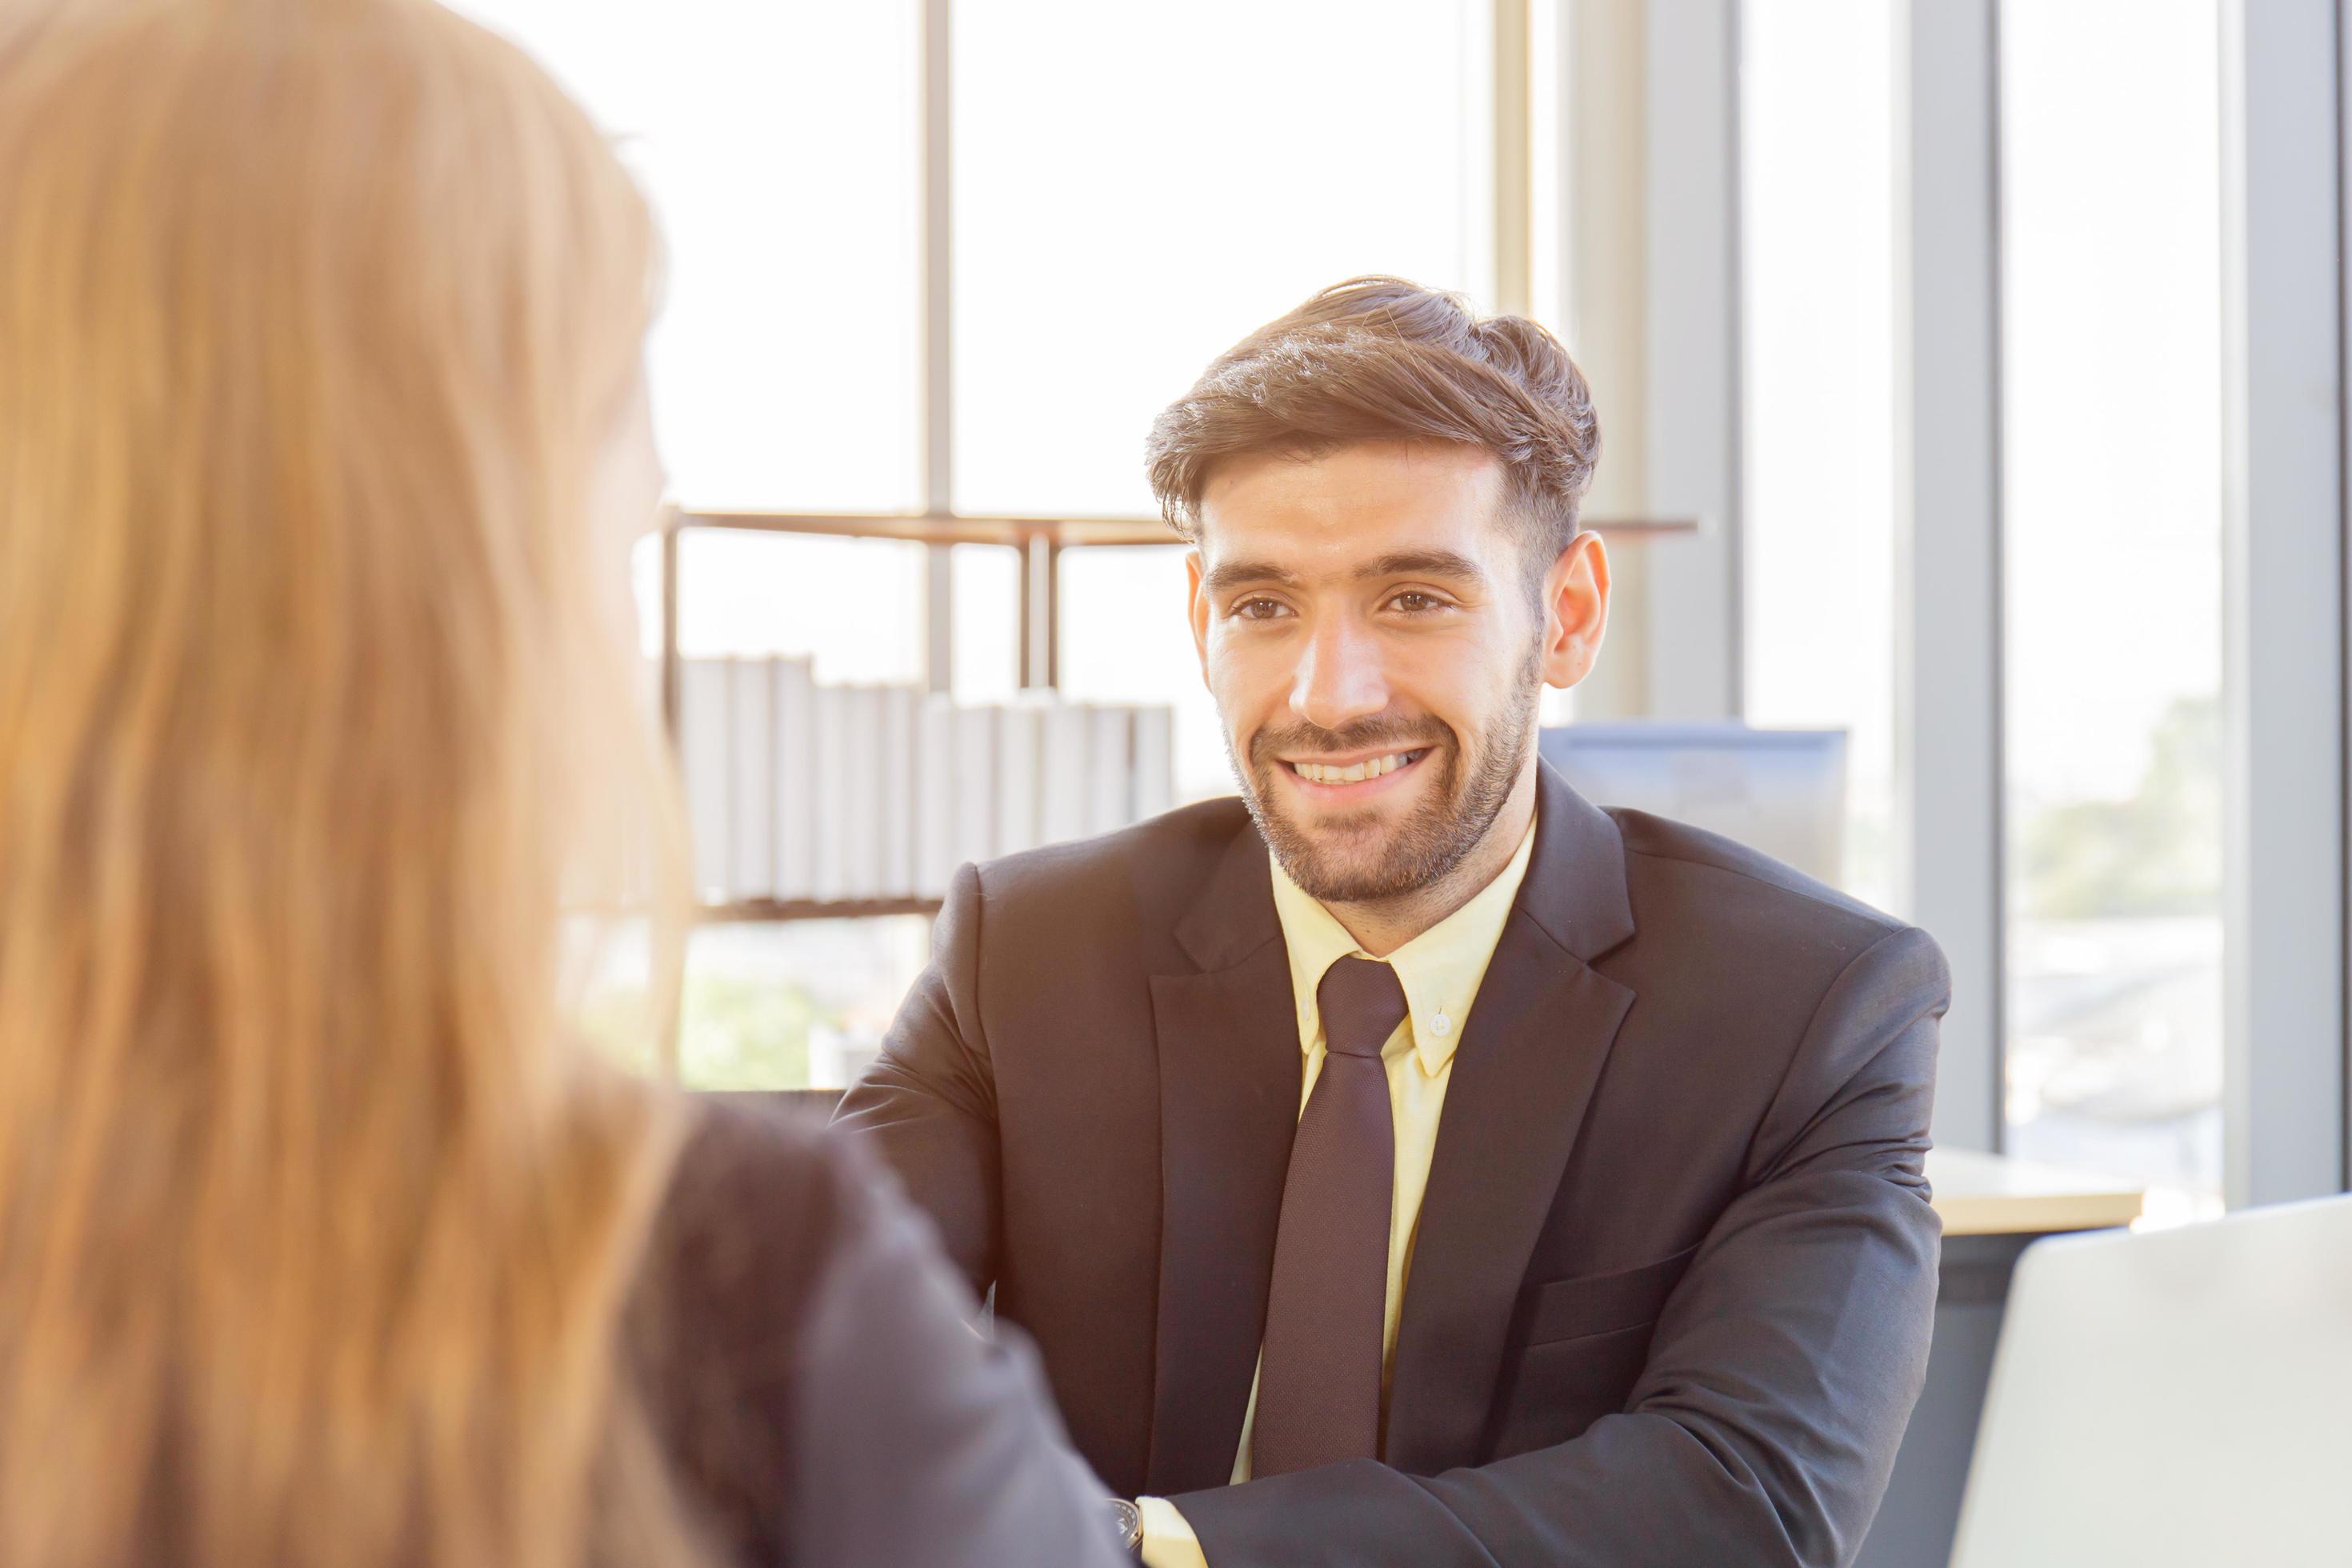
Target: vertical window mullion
x,y
938,331
2283,673
1949,619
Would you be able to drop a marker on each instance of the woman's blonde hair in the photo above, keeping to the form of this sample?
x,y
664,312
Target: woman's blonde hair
x,y
315,1229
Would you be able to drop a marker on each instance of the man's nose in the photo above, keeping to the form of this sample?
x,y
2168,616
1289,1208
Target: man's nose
x,y
1340,677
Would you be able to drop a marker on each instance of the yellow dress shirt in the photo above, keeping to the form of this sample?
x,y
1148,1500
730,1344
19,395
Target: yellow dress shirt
x,y
1441,971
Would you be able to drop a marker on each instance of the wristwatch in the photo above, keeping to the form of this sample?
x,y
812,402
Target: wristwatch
x,y
1129,1522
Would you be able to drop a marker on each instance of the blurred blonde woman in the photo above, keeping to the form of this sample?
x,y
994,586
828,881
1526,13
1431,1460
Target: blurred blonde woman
x,y
321,442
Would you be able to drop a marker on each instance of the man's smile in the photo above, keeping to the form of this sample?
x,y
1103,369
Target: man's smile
x,y
1351,779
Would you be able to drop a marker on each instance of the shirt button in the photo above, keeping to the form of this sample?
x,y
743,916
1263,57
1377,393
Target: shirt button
x,y
1440,1024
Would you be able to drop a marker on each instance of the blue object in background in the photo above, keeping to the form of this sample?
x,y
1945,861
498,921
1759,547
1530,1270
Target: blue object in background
x,y
1779,791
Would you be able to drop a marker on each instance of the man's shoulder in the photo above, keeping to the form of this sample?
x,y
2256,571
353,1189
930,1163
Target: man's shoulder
x,y
1688,885
1661,847
1157,864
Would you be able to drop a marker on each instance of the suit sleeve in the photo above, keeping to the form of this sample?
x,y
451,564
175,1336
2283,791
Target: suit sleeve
x,y
928,1102
1781,1376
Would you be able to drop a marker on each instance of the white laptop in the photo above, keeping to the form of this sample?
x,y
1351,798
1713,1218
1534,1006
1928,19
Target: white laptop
x,y
2174,1398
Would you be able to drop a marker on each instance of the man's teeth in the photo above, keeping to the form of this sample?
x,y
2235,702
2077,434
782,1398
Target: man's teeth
x,y
1355,773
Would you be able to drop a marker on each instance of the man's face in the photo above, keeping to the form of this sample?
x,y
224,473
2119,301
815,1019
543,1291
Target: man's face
x,y
1365,624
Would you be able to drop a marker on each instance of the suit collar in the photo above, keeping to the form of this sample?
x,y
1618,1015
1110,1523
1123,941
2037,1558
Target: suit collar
x,y
1234,916
1524,1075
1575,890
1229,1082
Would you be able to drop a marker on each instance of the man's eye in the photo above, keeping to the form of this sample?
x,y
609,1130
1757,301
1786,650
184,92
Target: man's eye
x,y
1259,609
1414,603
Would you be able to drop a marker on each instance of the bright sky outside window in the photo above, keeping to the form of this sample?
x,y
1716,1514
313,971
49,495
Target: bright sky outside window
x,y
780,146
1139,186
1817,249
2112,439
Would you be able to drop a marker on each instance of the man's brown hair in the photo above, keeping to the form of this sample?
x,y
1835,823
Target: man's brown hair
x,y
1379,359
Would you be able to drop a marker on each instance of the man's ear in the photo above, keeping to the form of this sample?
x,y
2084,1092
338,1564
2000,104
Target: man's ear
x,y
1575,609
1199,603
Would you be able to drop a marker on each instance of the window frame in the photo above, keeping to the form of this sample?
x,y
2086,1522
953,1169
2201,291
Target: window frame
x,y
2287,142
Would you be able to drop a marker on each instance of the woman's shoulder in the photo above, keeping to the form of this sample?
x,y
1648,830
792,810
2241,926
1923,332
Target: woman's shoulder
x,y
759,1203
823,1391
759,1197
744,1149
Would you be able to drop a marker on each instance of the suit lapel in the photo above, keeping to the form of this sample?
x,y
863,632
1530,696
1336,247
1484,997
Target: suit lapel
x,y
1229,1078
1522,1077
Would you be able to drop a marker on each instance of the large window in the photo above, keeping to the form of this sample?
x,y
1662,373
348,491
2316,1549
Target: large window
x,y
1137,185
2106,138
1817,250
2112,447
780,144
1133,188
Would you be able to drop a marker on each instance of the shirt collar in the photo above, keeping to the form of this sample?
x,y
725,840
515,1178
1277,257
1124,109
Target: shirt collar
x,y
1439,970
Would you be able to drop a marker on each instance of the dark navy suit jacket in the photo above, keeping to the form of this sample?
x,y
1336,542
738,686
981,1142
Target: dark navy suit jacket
x,y
1672,1290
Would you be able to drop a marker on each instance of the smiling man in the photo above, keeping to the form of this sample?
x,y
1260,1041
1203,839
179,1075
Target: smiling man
x,y
1412,1162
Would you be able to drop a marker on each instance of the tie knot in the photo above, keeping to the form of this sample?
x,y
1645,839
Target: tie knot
x,y
1362,1003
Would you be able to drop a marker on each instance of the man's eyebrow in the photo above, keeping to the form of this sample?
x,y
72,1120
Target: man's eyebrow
x,y
1227,575
1425,563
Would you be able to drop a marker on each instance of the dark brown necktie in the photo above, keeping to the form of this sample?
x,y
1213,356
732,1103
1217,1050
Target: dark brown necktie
x,y
1319,1398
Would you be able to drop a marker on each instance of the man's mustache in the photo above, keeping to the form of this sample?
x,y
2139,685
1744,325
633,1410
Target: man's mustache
x,y
1396,735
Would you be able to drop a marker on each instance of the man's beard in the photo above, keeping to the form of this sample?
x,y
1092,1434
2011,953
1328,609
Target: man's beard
x,y
1462,802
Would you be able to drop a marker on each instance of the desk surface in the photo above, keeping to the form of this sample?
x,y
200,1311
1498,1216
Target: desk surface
x,y
1990,1195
